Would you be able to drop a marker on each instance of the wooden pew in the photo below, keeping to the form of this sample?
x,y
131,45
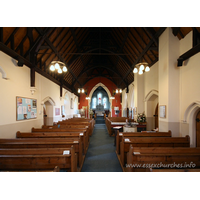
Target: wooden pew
x,y
138,134
61,130
65,126
73,135
38,159
151,142
162,158
46,143
80,121
64,123
92,121
70,126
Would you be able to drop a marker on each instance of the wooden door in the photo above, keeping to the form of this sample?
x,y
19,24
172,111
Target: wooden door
x,y
198,129
156,117
44,116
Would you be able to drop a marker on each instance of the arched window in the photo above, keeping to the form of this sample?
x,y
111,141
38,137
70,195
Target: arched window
x,y
104,102
94,102
99,98
67,103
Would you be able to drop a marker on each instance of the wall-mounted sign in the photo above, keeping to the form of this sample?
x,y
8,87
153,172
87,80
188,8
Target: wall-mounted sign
x,y
26,108
163,111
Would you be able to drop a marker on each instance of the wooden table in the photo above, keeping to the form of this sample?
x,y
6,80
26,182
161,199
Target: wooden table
x,y
116,128
130,129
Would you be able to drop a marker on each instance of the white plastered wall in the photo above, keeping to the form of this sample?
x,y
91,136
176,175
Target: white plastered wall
x,y
151,95
18,84
189,91
187,86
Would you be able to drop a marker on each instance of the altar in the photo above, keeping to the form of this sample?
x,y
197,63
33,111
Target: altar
x,y
99,111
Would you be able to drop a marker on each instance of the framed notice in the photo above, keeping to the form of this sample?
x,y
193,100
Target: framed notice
x,y
57,111
163,111
26,108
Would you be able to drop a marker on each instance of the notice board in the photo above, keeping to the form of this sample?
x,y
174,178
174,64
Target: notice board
x,y
26,108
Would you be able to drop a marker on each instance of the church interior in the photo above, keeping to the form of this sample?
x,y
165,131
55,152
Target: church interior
x,y
100,99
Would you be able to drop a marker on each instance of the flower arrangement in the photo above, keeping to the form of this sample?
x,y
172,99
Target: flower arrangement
x,y
91,112
141,117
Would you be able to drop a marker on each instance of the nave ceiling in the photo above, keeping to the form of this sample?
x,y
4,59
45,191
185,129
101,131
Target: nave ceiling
x,y
88,52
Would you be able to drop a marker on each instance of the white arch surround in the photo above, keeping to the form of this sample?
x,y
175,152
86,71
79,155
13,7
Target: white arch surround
x,y
150,94
190,118
193,106
106,89
66,93
3,73
50,100
151,101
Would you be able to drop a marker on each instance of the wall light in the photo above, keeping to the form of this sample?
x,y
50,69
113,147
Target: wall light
x,y
140,67
81,90
119,90
59,66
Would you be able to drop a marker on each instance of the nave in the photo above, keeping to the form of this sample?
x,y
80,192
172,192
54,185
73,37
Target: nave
x,y
101,156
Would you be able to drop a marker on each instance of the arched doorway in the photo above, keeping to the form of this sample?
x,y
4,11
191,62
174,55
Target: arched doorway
x,y
48,105
189,126
151,109
198,129
44,116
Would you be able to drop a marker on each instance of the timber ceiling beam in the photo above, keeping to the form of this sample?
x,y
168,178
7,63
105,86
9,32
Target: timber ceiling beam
x,y
95,67
56,47
89,52
158,33
176,30
96,76
77,44
136,41
16,56
196,37
11,37
151,33
123,43
60,57
125,38
152,48
36,45
188,54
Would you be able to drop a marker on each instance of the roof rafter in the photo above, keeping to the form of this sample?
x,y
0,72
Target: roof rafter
x,y
158,33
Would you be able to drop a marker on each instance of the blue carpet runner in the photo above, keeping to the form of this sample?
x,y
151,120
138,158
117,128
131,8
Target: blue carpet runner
x,y
101,156
100,120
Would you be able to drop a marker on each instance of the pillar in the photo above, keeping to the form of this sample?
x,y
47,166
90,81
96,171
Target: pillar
x,y
169,81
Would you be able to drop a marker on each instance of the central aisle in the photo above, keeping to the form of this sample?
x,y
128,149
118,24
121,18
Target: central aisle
x,y
101,156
